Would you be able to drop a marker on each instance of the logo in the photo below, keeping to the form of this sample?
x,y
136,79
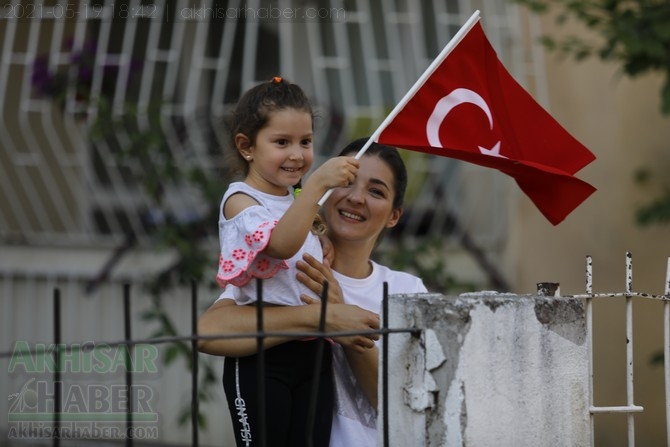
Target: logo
x,y
83,358
89,403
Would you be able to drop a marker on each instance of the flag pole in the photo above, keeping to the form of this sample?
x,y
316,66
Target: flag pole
x,y
467,26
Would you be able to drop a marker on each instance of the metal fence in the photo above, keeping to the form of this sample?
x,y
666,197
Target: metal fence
x,y
129,343
629,408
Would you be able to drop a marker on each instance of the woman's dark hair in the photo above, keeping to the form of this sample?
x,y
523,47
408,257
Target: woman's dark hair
x,y
391,157
255,105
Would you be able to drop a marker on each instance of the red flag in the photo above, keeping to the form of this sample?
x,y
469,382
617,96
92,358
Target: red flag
x,y
470,108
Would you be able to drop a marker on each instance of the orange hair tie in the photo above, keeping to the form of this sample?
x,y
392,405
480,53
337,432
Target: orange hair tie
x,y
276,80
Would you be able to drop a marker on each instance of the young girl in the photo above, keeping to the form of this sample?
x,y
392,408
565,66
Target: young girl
x,y
263,232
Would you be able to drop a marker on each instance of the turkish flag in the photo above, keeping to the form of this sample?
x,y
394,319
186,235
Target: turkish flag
x,y
470,108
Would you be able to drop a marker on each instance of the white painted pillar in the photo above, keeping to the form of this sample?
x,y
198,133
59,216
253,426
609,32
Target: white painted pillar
x,y
488,370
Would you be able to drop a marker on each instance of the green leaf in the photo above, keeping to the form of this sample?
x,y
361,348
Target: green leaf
x,y
170,354
149,315
657,211
184,416
634,33
665,94
657,359
642,176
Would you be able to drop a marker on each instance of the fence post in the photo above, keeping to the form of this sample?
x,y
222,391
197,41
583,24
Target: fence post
x,y
385,365
589,344
629,348
57,371
195,408
314,395
129,366
666,351
260,373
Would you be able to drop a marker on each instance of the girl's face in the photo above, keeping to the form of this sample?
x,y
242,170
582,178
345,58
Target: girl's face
x,y
361,211
282,152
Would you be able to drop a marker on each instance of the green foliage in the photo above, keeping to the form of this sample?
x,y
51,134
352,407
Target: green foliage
x,y
154,168
657,359
145,161
657,211
633,33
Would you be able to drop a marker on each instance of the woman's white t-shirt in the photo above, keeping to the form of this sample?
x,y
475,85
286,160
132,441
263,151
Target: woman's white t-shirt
x,y
354,419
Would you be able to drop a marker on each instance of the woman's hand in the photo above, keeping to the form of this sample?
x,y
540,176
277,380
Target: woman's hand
x,y
350,318
340,317
312,274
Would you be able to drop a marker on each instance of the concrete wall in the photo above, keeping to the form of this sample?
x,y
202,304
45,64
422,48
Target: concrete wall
x,y
488,370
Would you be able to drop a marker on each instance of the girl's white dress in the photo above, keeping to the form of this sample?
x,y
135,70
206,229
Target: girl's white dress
x,y
242,241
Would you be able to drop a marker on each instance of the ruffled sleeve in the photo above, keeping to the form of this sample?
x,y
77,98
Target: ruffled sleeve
x,y
243,239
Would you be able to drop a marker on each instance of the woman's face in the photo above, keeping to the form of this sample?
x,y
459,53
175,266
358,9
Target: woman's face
x,y
360,211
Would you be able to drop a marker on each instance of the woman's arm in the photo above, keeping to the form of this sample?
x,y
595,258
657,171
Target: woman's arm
x,y
226,317
363,362
365,365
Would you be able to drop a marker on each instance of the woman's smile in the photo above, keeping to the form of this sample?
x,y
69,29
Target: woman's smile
x,y
351,215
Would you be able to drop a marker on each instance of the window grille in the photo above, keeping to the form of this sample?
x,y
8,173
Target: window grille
x,y
84,82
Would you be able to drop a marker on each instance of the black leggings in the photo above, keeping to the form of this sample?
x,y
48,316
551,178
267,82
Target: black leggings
x,y
289,377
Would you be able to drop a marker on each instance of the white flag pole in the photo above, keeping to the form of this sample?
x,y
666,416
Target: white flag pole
x,y
474,18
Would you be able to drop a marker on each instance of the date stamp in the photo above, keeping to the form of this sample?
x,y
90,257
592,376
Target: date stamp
x,y
78,10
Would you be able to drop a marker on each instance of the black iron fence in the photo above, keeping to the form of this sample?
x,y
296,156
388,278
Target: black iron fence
x,y
129,343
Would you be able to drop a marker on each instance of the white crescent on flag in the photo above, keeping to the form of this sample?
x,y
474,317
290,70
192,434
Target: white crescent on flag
x,y
446,104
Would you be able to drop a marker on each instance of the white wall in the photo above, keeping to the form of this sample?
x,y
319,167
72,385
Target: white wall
x,y
488,370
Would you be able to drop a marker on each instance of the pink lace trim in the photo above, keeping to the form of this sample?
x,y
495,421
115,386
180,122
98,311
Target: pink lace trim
x,y
245,262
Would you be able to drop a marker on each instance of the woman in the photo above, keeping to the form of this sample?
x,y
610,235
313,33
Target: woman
x,y
356,216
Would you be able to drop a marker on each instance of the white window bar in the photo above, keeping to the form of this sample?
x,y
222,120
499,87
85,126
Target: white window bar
x,y
153,56
666,350
223,68
21,160
75,129
629,348
630,408
169,104
589,339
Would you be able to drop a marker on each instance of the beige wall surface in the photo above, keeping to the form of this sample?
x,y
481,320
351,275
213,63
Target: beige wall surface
x,y
619,120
